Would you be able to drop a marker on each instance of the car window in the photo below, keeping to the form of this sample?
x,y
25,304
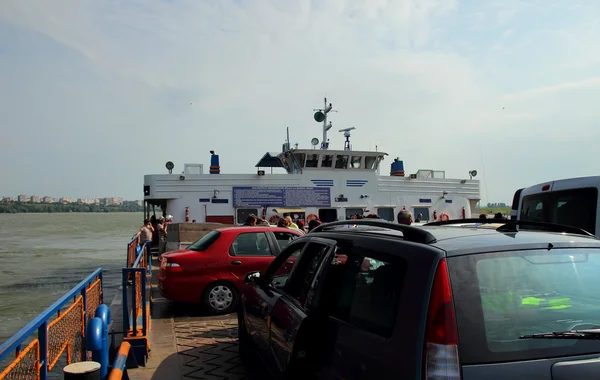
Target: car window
x,y
282,266
562,207
251,244
501,296
284,239
204,242
305,270
363,290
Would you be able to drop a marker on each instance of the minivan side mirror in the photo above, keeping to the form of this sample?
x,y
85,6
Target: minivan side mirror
x,y
252,278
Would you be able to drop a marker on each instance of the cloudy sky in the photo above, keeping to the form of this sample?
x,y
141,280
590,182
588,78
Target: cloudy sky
x,y
95,94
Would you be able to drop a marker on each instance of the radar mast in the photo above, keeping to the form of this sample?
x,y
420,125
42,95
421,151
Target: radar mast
x,y
321,116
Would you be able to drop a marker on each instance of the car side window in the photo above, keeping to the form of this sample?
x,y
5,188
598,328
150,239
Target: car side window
x,y
251,244
284,239
364,291
304,272
282,266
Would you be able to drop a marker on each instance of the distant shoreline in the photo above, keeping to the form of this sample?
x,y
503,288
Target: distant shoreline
x,y
50,208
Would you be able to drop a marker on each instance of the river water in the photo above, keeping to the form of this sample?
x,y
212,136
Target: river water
x,y
42,256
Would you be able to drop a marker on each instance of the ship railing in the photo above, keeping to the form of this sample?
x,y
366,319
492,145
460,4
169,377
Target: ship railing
x,y
56,337
133,250
136,304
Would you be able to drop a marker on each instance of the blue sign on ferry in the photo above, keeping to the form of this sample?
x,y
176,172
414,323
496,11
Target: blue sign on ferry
x,y
268,196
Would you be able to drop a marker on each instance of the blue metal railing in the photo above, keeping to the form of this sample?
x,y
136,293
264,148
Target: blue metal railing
x,y
132,250
135,287
41,322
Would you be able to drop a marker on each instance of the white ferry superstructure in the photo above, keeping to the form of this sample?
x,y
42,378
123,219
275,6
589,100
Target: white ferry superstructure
x,y
319,182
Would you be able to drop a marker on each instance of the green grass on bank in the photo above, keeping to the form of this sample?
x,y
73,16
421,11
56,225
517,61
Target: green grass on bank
x,y
18,207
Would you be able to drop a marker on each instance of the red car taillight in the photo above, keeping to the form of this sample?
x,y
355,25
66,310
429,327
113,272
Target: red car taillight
x,y
167,266
441,336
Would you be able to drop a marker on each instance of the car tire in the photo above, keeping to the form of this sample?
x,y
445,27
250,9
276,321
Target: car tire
x,y
220,298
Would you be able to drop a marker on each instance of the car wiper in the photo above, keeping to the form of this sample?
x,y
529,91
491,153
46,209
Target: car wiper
x,y
571,334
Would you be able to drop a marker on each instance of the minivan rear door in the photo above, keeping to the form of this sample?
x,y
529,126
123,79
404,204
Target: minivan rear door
x,y
500,298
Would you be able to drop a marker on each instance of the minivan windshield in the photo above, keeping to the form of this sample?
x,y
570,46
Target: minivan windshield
x,y
204,242
502,296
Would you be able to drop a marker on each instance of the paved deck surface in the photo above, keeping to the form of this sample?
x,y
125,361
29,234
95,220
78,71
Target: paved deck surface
x,y
185,344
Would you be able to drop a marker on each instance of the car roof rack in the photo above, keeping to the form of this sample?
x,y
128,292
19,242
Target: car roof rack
x,y
511,225
409,233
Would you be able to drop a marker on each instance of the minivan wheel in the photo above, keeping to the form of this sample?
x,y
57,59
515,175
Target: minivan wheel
x,y
220,298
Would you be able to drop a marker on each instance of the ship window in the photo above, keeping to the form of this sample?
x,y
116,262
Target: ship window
x,y
243,213
353,212
386,213
287,162
355,162
327,215
341,162
300,158
327,161
312,161
370,162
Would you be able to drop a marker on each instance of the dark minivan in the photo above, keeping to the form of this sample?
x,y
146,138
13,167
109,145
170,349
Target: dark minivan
x,y
386,301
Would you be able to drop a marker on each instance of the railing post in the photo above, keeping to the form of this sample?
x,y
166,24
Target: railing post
x,y
43,339
101,288
125,303
85,318
134,304
143,290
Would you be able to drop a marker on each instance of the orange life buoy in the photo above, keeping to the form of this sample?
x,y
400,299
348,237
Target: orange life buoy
x,y
311,217
444,216
274,219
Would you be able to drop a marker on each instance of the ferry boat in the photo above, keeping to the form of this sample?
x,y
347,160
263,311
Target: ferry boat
x,y
318,183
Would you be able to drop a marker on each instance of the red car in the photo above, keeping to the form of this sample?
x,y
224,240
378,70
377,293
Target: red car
x,y
212,269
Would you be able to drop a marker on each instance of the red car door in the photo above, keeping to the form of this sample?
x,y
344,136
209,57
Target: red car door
x,y
249,251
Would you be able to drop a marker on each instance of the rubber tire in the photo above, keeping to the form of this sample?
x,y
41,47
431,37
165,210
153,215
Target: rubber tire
x,y
231,307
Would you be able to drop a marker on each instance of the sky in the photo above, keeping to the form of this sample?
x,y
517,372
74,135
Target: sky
x,y
95,94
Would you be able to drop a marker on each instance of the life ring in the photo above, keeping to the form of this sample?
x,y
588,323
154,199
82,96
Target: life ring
x,y
444,216
311,217
274,219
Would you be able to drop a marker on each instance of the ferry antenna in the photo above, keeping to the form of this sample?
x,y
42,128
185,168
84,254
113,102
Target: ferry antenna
x,y
324,111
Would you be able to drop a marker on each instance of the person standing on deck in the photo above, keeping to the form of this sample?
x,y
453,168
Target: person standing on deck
x,y
146,233
405,217
290,222
251,220
162,235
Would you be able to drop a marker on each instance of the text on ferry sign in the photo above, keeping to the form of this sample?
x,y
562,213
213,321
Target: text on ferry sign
x,y
262,196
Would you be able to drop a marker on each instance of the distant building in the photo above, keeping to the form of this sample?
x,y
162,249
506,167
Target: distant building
x,y
140,203
23,198
35,199
88,201
10,199
48,199
112,201
65,200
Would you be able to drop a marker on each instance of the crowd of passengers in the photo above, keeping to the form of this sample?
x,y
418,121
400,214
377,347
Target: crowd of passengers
x,y
154,230
404,217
